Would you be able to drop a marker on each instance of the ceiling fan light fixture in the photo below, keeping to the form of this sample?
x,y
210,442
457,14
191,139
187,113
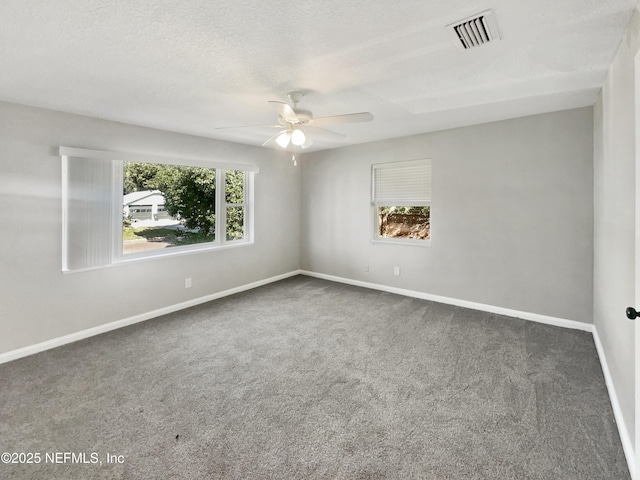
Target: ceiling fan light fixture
x,y
298,137
297,127
307,143
283,139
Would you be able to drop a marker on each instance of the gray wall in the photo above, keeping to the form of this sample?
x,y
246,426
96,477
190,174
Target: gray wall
x,y
38,302
512,221
615,216
512,215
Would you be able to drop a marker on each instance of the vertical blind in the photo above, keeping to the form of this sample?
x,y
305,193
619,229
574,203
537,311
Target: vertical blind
x,y
402,183
87,212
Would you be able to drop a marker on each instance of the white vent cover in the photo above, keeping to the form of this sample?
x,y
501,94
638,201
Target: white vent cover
x,y
475,31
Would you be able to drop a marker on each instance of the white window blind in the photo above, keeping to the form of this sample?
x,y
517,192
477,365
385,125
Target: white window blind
x,y
87,211
402,183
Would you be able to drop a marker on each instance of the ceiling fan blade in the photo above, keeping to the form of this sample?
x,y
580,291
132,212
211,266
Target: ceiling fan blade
x,y
249,126
323,132
273,138
347,118
285,111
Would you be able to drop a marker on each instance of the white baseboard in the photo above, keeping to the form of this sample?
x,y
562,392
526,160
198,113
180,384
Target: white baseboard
x,y
73,337
535,317
90,332
627,444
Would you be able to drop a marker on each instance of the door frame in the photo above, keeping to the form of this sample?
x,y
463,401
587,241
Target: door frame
x,y
636,95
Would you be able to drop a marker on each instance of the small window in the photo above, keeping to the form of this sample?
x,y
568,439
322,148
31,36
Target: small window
x,y
404,222
401,199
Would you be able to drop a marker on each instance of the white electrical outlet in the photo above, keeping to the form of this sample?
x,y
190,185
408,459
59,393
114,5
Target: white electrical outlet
x,y
187,282
396,271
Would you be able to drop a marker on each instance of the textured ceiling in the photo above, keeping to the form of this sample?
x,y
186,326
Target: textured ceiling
x,y
191,66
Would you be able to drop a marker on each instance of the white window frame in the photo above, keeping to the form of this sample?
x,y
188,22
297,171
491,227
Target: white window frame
x,y
117,160
245,204
396,195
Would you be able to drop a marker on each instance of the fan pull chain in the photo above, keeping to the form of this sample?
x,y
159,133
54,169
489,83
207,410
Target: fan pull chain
x,y
293,159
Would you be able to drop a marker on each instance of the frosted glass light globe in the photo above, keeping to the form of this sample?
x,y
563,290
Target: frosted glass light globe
x,y
283,139
297,137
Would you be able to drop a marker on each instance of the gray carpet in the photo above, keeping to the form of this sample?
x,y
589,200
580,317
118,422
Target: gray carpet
x,y
309,379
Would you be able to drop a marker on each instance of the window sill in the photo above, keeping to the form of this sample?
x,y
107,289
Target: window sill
x,y
398,241
152,255
177,251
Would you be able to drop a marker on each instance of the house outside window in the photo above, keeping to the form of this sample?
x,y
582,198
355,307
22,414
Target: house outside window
x,y
146,205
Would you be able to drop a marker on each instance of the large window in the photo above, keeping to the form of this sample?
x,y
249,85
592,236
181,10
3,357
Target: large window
x,y
401,199
167,206
121,207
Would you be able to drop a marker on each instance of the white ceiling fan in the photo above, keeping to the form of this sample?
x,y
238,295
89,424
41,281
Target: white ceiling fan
x,y
298,127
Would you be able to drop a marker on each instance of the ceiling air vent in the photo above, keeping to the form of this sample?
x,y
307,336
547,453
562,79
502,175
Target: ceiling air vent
x,y
475,31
